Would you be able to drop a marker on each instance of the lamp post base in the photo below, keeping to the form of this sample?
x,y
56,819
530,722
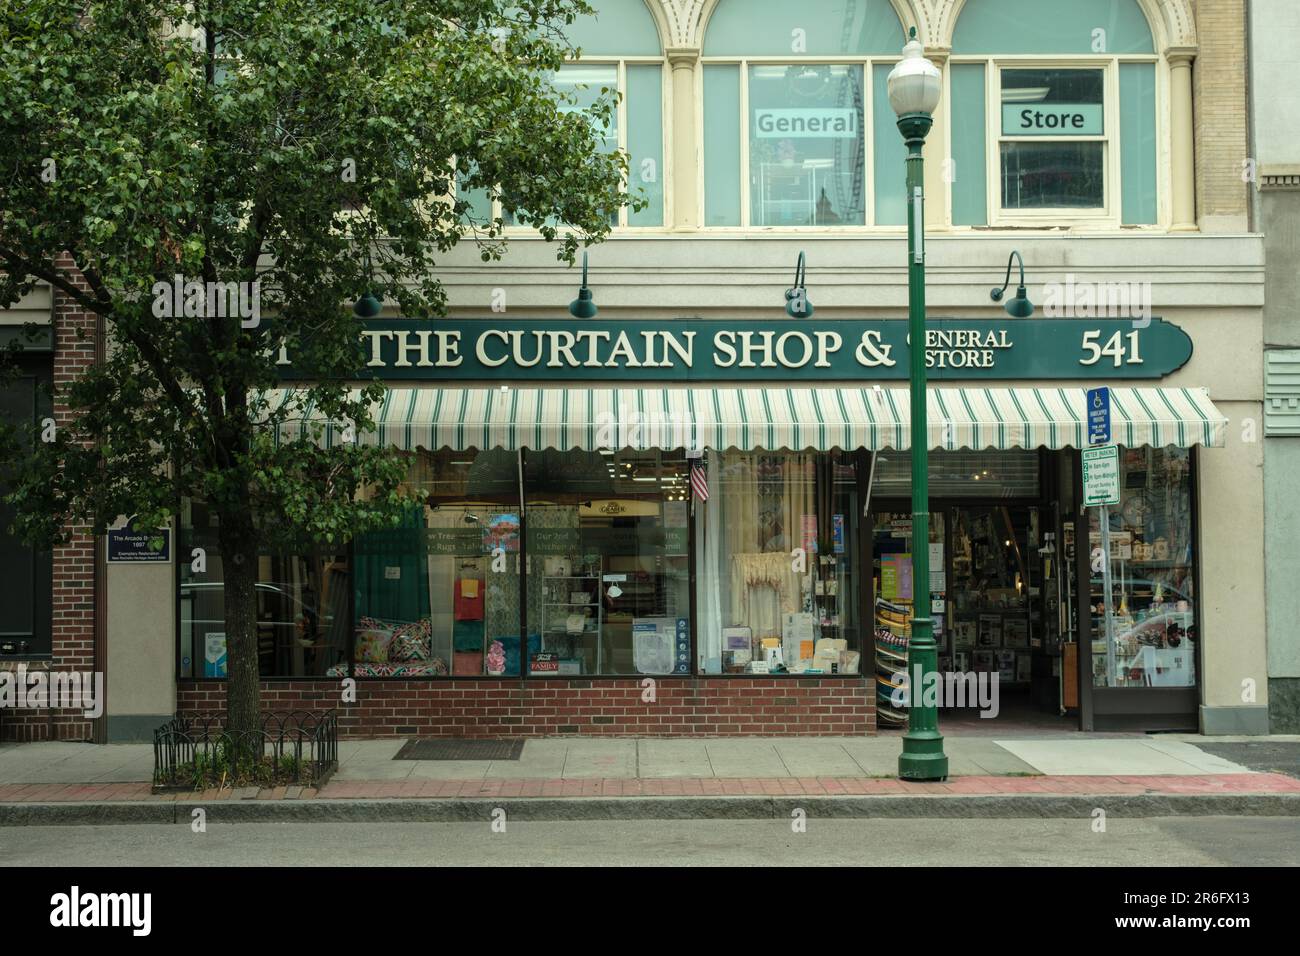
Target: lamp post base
x,y
923,757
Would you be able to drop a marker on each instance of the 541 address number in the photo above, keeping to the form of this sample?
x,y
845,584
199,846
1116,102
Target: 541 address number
x,y
1115,348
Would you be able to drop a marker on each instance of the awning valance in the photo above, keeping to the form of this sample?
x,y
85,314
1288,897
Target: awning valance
x,y
773,417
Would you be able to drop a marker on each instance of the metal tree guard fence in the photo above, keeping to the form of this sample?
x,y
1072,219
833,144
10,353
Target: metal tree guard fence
x,y
296,747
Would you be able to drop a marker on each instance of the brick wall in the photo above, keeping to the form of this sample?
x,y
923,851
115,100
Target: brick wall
x,y
73,619
1219,111
683,707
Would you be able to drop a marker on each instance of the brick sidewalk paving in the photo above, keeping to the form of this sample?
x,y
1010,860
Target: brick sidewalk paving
x,y
1240,783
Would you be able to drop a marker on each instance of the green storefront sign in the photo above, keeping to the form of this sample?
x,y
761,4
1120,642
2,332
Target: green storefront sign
x,y
686,350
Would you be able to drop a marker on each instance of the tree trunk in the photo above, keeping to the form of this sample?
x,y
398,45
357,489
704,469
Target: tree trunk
x,y
239,567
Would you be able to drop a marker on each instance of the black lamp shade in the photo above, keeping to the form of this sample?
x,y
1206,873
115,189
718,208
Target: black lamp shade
x,y
797,304
368,306
1020,307
584,306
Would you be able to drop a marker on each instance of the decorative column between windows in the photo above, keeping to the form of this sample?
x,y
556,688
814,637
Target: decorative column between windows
x,y
686,158
940,172
1183,165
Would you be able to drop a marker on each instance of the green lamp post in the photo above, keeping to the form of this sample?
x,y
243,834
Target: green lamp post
x,y
914,85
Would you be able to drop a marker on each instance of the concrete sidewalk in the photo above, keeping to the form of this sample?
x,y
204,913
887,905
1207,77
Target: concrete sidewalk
x,y
670,778
587,758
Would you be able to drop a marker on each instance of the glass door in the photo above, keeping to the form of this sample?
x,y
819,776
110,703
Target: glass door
x,y
996,591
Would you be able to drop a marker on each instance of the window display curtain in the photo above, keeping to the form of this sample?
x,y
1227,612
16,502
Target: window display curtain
x,y
406,597
767,500
708,554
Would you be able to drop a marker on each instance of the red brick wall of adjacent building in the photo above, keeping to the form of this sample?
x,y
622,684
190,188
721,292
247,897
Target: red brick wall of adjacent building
x,y
683,707
73,619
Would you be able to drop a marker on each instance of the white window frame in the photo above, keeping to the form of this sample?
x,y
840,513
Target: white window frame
x,y
1110,215
865,63
1108,212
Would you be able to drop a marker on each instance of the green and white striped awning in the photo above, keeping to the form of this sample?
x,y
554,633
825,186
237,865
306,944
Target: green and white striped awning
x,y
770,418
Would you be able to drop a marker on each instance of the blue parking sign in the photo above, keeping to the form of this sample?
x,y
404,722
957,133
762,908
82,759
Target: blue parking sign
x,y
1099,416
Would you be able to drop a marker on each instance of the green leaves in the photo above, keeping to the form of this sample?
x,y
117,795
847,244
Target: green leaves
x,y
307,146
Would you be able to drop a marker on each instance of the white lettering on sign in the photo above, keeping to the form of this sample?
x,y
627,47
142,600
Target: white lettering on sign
x,y
871,352
963,348
673,349
1052,119
480,349
1100,467
796,123
1115,348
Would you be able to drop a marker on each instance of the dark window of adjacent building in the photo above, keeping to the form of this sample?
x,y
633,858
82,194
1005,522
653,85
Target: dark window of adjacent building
x,y
26,574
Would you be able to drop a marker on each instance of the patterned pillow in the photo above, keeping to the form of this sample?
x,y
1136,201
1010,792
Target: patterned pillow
x,y
412,642
373,638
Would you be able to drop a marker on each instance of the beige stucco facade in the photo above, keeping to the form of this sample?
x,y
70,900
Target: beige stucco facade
x,y
141,645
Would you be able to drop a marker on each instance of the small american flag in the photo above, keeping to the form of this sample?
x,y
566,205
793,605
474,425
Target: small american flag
x,y
699,479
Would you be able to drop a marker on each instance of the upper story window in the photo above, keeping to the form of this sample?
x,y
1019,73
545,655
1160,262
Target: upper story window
x,y
1052,105
620,54
792,102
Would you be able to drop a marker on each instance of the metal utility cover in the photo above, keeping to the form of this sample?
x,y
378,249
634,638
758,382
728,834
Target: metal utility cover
x,y
452,748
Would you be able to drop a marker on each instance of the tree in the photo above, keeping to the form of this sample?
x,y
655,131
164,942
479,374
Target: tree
x,y
297,153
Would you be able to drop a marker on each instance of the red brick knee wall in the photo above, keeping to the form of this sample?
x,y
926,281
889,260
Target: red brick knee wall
x,y
29,724
488,707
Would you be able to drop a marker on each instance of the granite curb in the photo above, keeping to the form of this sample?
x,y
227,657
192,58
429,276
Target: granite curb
x,y
752,807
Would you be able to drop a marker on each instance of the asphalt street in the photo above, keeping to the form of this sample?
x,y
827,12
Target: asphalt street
x,y
1266,756
1184,841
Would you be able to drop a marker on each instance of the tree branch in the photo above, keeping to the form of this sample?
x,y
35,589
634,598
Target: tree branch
x,y
51,275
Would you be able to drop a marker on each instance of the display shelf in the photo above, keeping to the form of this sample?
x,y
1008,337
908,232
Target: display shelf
x,y
559,638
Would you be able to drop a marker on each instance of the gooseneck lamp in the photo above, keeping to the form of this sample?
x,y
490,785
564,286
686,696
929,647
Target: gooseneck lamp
x,y
1019,307
369,305
584,306
797,303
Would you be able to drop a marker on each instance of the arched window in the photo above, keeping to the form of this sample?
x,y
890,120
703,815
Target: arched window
x,y
793,98
619,49
1053,112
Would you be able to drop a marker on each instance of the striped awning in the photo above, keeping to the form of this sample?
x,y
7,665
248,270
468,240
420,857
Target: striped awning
x,y
770,418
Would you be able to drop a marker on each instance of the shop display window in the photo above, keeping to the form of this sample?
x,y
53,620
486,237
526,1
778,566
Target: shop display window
x,y
1146,634
777,578
608,562
302,607
438,595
